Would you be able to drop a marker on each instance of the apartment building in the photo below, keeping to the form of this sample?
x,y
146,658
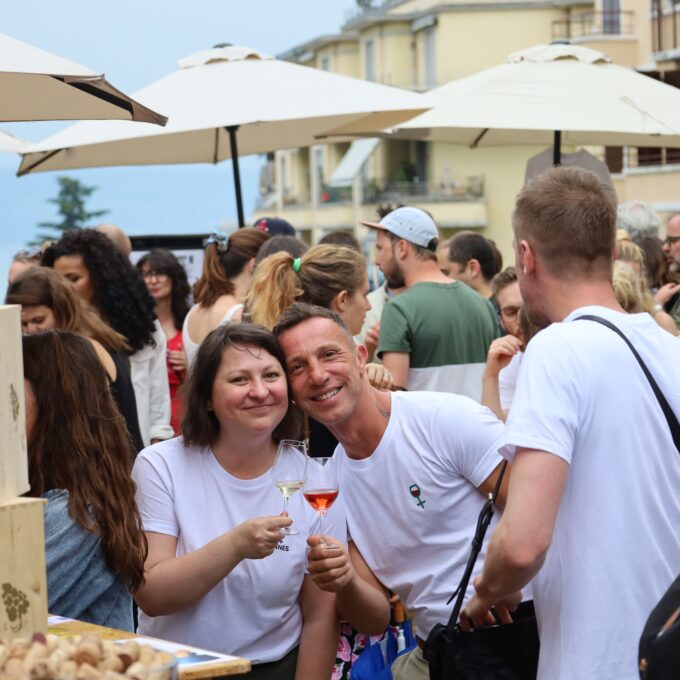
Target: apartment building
x,y
421,44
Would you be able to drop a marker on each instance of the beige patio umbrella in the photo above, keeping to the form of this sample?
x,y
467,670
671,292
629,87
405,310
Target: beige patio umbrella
x,y
11,144
559,94
37,85
273,104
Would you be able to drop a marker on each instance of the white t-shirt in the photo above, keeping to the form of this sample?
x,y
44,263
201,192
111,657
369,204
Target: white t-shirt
x,y
255,611
507,381
582,396
412,505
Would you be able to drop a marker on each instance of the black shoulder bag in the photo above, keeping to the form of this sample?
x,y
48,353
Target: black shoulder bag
x,y
500,652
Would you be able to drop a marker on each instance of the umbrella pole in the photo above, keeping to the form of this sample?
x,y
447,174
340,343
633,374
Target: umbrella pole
x,y
557,148
237,175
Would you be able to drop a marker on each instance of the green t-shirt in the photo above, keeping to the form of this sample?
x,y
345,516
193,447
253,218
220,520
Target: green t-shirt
x,y
446,328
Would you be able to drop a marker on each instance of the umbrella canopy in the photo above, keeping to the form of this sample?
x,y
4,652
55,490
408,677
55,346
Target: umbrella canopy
x,y
273,104
37,85
10,143
560,87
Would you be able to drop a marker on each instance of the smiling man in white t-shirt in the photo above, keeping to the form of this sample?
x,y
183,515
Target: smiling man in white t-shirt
x,y
413,468
593,509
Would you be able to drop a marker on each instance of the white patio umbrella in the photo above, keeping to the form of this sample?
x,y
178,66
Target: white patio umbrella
x,y
556,93
273,104
37,85
11,144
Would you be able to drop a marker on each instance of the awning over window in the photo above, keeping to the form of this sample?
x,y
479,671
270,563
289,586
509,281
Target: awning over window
x,y
352,162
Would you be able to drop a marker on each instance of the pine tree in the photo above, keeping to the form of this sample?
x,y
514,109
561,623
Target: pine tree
x,y
70,202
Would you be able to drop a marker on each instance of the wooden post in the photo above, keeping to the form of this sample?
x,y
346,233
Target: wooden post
x,y
23,581
13,458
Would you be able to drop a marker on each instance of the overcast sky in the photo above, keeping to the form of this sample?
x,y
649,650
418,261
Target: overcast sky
x,y
135,42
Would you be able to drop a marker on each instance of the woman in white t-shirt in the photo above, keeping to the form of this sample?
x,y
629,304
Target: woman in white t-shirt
x,y
220,574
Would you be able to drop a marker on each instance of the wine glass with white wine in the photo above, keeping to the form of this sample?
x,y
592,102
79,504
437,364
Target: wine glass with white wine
x,y
290,472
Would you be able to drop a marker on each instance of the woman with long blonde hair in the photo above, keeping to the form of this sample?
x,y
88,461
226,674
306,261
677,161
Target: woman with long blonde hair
x,y
633,256
331,276
80,459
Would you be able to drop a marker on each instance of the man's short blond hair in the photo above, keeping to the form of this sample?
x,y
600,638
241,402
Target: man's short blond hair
x,y
568,216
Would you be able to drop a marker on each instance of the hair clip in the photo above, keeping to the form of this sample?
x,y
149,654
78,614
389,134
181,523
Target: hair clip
x,y
220,239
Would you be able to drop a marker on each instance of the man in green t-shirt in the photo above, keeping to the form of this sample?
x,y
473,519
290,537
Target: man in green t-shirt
x,y
435,335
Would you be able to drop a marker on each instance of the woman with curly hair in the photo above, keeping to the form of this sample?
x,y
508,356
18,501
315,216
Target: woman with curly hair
x,y
105,278
79,459
228,264
167,282
48,302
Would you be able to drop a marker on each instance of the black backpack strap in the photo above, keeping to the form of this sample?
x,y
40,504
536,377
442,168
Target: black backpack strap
x,y
671,418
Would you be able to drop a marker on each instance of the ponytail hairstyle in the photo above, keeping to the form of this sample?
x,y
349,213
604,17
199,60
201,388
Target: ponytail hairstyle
x,y
224,258
316,278
80,443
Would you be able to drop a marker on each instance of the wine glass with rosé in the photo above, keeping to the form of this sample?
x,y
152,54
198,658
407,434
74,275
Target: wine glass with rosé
x,y
289,472
321,489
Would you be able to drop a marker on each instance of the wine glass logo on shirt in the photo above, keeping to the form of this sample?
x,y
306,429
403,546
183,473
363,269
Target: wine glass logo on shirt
x,y
415,492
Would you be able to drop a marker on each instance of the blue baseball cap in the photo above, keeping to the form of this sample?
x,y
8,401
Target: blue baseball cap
x,y
412,224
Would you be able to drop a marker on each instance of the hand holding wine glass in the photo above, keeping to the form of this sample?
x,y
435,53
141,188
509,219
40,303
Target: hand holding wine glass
x,y
290,472
321,489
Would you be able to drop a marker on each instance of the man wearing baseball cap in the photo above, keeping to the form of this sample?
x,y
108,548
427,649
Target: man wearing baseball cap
x,y
435,335
275,226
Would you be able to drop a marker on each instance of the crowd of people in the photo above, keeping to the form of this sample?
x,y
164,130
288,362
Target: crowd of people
x,y
154,412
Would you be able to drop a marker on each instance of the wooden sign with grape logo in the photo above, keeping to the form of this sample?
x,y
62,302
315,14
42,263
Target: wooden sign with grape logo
x,y
16,605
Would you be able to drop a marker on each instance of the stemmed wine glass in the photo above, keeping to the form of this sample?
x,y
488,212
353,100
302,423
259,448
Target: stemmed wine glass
x,y
321,489
290,472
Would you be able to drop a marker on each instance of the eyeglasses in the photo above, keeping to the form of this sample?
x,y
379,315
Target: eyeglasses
x,y
670,240
152,274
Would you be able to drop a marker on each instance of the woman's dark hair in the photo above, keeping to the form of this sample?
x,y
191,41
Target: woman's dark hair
x,y
80,443
655,261
199,425
341,238
276,244
120,294
223,260
42,286
165,262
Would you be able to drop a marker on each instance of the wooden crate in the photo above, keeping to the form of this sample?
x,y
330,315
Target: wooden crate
x,y
13,458
23,580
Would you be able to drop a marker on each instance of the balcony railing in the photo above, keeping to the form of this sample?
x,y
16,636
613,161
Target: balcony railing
x,y
584,24
381,191
644,157
268,200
